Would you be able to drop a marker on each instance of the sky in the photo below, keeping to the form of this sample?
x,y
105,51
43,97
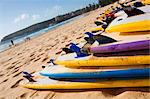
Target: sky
x,y
19,14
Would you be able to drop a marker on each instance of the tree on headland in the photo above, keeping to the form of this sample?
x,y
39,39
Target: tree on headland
x,y
106,2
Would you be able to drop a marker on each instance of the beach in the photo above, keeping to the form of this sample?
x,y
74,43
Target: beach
x,y
31,55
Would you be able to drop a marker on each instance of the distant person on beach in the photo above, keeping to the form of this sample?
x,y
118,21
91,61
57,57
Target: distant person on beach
x,y
12,42
27,39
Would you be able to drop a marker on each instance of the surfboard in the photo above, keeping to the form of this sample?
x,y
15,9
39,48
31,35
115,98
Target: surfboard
x,y
47,83
95,74
96,29
130,46
130,24
62,69
70,60
146,2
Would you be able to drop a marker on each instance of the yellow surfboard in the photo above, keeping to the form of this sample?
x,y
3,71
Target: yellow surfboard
x,y
47,83
131,24
70,61
96,29
146,2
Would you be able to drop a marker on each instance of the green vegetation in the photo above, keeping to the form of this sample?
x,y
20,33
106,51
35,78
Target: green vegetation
x,y
106,2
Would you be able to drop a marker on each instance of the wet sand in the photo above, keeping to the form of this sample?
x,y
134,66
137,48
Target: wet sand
x,y
31,55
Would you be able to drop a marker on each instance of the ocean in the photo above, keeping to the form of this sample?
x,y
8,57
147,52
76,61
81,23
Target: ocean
x,y
6,45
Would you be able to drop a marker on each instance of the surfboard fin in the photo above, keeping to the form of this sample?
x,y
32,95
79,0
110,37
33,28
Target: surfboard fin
x,y
28,76
51,62
89,34
67,50
77,50
101,39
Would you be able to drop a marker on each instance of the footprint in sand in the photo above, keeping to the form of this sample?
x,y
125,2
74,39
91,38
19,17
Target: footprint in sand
x,y
45,59
79,37
18,63
19,53
5,65
58,52
10,59
7,74
47,49
31,55
4,81
40,54
53,45
33,72
32,59
40,50
11,67
23,96
22,58
37,59
17,74
34,94
14,62
1,75
16,67
63,42
15,71
67,44
16,84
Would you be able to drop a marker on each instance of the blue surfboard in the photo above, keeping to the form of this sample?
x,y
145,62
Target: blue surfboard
x,y
115,74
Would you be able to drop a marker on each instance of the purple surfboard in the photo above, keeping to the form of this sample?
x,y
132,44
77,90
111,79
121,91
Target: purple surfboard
x,y
130,46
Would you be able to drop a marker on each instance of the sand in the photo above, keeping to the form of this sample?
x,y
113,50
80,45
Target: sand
x,y
31,55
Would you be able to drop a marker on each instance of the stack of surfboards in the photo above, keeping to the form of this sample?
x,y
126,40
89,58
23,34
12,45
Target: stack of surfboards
x,y
121,64
97,72
136,23
123,23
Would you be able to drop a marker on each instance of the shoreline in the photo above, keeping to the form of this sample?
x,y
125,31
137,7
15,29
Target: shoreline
x,y
36,52
45,31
